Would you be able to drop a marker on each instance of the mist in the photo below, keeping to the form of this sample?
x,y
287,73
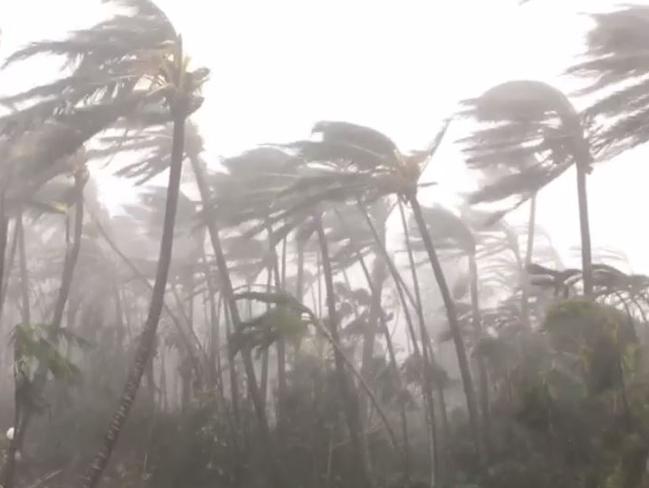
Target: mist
x,y
240,250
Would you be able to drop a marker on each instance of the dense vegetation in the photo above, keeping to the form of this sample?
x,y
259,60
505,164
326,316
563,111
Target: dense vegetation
x,y
306,321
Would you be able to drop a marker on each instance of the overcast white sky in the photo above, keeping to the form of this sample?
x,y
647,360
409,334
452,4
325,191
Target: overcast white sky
x,y
399,66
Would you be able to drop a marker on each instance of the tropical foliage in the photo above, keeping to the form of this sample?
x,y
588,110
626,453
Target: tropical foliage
x,y
295,315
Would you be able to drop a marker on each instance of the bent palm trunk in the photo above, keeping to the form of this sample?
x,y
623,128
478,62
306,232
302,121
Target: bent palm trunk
x,y
454,325
253,388
147,342
352,413
69,265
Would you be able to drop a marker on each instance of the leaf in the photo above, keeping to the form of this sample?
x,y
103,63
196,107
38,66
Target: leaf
x,y
261,332
276,298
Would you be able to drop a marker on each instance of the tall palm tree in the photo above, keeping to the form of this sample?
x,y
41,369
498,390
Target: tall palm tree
x,y
453,237
228,293
122,67
534,135
363,164
352,412
54,332
180,89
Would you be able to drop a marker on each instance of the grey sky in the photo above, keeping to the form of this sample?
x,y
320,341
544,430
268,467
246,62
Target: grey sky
x,y
399,66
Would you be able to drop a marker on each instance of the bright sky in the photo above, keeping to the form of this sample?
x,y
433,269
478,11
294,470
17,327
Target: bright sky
x,y
399,66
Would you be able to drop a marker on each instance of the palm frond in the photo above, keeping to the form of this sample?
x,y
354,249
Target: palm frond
x,y
616,66
528,135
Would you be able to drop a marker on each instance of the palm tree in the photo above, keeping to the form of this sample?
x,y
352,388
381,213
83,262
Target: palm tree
x,y
54,331
105,84
535,134
363,164
352,412
229,296
453,236
180,89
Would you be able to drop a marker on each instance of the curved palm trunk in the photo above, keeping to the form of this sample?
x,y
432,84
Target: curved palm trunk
x,y
397,372
69,266
253,388
147,342
282,382
584,227
483,375
428,360
426,385
375,311
389,343
454,325
352,413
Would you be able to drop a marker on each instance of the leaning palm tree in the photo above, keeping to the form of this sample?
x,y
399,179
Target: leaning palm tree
x,y
238,202
119,71
454,238
532,134
179,86
362,164
259,190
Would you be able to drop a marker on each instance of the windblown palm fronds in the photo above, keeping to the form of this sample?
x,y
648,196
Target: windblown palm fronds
x,y
616,66
117,68
101,62
529,134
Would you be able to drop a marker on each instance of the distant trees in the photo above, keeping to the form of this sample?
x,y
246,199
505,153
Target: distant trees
x,y
283,340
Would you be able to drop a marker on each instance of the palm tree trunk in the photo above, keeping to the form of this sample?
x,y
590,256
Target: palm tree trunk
x,y
483,377
5,265
24,279
385,330
299,285
214,367
69,265
454,325
531,230
395,367
147,342
369,337
352,414
263,381
584,226
72,256
4,238
428,358
253,388
429,415
9,468
282,383
9,264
